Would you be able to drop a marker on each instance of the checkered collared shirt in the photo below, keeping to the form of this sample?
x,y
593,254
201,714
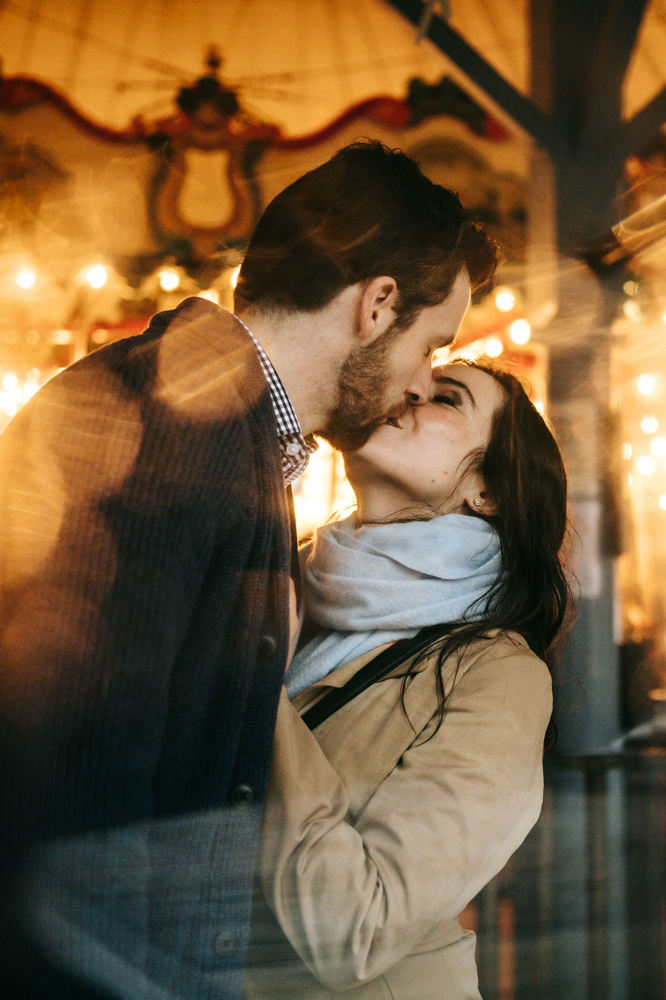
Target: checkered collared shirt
x,y
295,449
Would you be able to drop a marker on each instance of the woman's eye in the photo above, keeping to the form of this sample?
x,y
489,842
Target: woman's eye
x,y
450,398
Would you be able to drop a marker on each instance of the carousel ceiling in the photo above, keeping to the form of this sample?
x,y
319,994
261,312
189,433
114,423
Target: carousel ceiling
x,y
298,63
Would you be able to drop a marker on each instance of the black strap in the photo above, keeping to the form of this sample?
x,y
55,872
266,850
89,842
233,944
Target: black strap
x,y
378,667
293,534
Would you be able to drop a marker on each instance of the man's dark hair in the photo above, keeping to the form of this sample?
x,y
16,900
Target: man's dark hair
x,y
366,212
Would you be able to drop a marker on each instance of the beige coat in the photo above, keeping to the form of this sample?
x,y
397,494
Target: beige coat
x,y
376,837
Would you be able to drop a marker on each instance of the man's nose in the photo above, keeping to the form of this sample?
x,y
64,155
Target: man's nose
x,y
418,390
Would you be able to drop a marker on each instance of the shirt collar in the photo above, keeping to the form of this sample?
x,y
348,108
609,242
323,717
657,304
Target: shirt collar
x,y
295,449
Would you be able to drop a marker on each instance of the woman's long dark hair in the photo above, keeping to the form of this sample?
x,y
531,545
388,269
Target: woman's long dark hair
x,y
524,476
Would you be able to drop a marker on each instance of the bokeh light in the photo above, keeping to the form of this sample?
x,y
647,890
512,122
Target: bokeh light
x,y
26,278
494,347
646,464
658,447
649,424
520,331
96,275
645,384
505,300
632,310
169,279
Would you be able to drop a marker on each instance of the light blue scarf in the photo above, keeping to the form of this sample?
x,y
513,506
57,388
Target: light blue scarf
x,y
378,583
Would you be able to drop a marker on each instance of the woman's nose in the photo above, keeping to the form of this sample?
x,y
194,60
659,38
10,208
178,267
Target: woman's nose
x,y
419,388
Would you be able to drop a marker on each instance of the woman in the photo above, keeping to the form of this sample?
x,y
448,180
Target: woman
x,y
385,821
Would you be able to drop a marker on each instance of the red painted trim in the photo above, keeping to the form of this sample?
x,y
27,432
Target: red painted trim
x,y
492,129
389,111
19,92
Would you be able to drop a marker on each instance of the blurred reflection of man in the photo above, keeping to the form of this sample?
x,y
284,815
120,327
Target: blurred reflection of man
x,y
145,554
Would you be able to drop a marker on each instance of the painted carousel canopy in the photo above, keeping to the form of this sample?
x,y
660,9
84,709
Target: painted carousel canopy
x,y
297,63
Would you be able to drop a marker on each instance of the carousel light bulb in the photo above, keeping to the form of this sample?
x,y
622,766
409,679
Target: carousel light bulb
x,y
505,300
520,331
627,451
649,425
630,479
233,280
96,275
9,381
494,347
658,447
646,464
169,279
662,501
645,385
26,278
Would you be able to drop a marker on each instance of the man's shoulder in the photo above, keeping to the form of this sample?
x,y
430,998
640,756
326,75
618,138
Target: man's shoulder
x,y
206,366
196,362
200,317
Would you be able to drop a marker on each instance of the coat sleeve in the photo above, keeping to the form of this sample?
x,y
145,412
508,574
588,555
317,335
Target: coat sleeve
x,y
354,899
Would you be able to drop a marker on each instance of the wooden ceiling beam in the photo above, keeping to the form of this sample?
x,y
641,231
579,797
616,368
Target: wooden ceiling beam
x,y
645,125
523,111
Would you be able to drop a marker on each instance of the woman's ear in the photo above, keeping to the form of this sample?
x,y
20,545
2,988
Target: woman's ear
x,y
481,502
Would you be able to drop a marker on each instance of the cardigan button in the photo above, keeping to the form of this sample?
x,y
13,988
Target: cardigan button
x,y
226,943
242,796
266,647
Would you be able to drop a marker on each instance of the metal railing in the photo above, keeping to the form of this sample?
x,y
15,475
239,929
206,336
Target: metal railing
x,y
579,913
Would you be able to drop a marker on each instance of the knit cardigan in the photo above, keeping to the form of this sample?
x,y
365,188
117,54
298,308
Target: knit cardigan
x,y
144,566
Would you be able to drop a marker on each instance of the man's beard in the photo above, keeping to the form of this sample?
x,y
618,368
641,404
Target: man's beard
x,y
360,407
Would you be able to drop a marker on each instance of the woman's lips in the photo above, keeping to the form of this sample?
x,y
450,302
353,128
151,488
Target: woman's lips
x,y
394,422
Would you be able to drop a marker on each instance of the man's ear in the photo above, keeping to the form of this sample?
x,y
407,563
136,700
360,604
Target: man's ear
x,y
480,502
376,308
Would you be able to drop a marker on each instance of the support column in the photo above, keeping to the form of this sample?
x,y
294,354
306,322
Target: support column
x,y
567,212
587,683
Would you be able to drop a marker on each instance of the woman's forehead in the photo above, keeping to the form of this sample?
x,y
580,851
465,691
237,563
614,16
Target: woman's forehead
x,y
481,383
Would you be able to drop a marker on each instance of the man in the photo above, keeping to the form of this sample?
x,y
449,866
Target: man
x,y
145,555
